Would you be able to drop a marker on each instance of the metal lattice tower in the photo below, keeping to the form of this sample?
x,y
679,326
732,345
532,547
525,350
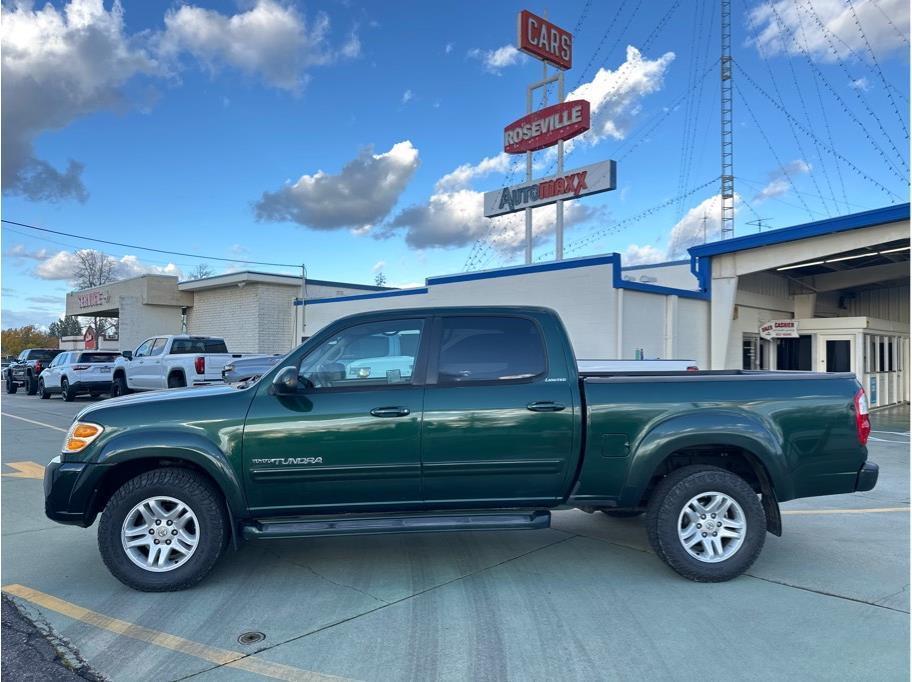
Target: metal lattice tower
x,y
727,178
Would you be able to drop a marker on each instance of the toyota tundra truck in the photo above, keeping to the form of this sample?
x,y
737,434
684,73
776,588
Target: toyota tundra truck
x,y
481,420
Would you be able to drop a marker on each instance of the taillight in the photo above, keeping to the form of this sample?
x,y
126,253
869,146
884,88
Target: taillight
x,y
200,364
37,365
862,421
693,368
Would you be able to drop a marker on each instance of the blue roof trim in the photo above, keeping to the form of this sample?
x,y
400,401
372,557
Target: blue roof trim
x,y
656,265
620,283
853,221
525,269
361,297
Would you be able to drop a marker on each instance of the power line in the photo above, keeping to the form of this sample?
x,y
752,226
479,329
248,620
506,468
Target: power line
x,y
877,66
149,248
902,36
826,147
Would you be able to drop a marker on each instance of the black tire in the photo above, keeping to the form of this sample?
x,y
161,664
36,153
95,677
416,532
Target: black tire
x,y
42,391
622,513
66,392
665,506
190,488
31,383
176,380
119,386
10,386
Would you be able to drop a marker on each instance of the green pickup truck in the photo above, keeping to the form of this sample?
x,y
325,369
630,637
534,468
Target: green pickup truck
x,y
454,419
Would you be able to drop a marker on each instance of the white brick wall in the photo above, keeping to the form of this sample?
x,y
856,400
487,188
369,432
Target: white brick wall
x,y
229,312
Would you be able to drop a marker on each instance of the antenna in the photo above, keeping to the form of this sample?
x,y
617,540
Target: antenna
x,y
759,223
728,177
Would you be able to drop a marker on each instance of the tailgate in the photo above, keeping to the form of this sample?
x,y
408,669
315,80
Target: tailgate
x,y
214,364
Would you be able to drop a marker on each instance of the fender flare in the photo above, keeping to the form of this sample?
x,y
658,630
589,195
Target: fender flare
x,y
712,427
156,443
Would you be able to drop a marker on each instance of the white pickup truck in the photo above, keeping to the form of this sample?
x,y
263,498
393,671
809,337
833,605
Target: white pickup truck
x,y
171,362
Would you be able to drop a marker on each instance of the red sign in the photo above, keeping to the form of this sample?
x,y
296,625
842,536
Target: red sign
x,y
89,338
547,127
543,40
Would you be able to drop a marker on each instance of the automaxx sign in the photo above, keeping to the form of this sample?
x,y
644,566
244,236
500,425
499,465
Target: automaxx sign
x,y
592,179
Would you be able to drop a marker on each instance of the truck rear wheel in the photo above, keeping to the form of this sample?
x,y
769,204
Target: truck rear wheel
x,y
163,530
31,384
706,523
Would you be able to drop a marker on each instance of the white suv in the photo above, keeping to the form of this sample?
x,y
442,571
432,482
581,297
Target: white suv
x,y
75,372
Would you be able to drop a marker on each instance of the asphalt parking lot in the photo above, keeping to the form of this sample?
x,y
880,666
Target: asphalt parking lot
x,y
584,600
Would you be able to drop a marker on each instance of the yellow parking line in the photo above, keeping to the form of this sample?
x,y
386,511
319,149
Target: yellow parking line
x,y
233,659
32,421
876,510
26,470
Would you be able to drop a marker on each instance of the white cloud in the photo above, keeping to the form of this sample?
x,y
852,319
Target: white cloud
x,y
614,96
448,48
779,180
495,60
689,230
63,265
361,195
860,84
271,40
641,255
58,65
838,20
463,175
378,266
407,96
456,218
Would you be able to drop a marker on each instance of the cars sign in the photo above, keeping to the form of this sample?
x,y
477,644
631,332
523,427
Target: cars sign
x,y
541,39
547,127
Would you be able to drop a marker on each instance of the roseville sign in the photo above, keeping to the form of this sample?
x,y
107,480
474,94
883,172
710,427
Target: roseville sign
x,y
543,40
547,127
580,182
779,329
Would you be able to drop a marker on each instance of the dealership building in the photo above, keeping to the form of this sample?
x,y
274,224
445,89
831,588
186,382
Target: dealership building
x,y
831,295
252,311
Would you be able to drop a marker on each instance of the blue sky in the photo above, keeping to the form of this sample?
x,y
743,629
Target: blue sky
x,y
357,137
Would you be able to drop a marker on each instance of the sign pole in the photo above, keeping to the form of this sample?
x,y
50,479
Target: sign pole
x,y
559,227
528,179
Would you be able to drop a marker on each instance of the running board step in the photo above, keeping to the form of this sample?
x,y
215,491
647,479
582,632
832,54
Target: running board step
x,y
421,523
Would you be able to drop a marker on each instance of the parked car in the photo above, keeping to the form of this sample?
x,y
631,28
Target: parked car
x,y
25,370
495,427
172,361
245,370
76,372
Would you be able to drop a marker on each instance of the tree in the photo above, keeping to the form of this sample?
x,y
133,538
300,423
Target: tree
x,y
16,340
65,326
201,271
380,279
95,269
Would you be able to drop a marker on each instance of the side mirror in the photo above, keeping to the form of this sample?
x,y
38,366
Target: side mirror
x,y
128,354
286,381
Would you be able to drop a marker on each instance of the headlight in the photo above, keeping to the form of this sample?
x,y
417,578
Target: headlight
x,y
80,435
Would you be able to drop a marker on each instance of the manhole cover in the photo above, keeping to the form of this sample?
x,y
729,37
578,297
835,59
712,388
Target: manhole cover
x,y
251,637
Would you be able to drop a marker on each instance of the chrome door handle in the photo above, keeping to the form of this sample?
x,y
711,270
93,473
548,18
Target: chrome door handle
x,y
390,412
545,406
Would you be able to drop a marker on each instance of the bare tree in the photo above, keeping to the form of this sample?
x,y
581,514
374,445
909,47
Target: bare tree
x,y
380,279
201,271
95,269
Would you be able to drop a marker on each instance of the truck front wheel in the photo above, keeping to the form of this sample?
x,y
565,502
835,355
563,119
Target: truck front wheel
x,y
163,530
119,386
706,523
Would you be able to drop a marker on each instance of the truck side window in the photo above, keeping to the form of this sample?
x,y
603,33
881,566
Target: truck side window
x,y
489,349
143,350
372,354
158,346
